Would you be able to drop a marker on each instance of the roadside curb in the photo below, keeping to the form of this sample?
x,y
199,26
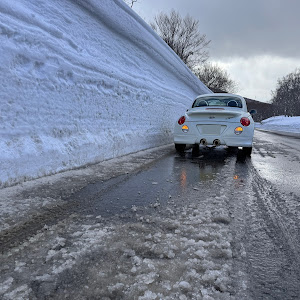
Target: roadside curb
x,y
293,134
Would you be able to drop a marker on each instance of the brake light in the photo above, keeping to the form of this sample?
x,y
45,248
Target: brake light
x,y
181,120
245,121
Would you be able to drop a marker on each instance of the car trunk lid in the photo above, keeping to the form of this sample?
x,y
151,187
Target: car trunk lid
x,y
213,114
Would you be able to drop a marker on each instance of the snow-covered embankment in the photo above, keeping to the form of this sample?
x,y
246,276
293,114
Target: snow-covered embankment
x,y
83,81
283,125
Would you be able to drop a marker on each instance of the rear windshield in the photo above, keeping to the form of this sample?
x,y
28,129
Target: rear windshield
x,y
218,101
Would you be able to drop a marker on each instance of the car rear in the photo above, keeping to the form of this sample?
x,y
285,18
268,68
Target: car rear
x,y
215,125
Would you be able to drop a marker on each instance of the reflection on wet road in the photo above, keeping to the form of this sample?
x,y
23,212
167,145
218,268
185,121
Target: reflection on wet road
x,y
170,178
277,158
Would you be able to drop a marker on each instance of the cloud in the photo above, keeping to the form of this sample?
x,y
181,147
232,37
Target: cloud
x,y
239,28
257,27
257,76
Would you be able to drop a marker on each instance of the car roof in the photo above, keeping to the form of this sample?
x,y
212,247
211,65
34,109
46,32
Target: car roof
x,y
220,94
225,95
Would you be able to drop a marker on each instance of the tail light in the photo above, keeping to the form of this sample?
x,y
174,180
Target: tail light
x,y
181,120
185,128
238,130
245,121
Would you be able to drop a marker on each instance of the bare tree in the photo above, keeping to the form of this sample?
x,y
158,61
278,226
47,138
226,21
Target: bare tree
x,y
215,78
183,36
130,2
286,97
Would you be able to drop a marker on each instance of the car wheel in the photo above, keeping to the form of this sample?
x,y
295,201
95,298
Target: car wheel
x,y
180,147
196,150
232,148
247,150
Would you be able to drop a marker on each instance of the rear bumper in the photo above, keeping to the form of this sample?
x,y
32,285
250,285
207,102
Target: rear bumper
x,y
237,141
224,132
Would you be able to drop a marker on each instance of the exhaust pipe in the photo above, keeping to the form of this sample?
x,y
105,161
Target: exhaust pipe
x,y
203,142
216,143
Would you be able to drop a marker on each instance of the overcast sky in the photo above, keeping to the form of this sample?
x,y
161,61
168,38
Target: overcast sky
x,y
256,41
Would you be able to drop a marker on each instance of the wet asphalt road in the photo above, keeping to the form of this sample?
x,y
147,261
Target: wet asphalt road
x,y
264,193
266,224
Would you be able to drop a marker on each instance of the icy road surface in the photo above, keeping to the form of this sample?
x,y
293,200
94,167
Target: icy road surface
x,y
157,225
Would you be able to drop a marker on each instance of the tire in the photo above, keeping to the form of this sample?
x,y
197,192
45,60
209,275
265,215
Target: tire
x,y
196,150
180,147
232,148
247,151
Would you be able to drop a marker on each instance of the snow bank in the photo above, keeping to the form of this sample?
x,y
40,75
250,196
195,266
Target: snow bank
x,y
281,125
81,82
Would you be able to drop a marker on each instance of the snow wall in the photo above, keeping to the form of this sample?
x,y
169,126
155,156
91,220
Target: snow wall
x,y
83,81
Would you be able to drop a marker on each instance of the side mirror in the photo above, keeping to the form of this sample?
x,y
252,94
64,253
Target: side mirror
x,y
252,112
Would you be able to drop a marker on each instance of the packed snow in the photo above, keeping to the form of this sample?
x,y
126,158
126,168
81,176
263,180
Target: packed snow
x,y
282,125
83,81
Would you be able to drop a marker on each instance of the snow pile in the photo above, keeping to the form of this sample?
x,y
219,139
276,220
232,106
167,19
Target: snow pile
x,y
281,125
80,82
